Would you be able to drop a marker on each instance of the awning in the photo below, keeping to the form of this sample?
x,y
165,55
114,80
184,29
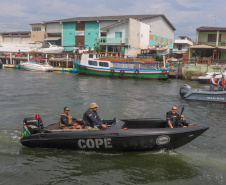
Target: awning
x,y
52,38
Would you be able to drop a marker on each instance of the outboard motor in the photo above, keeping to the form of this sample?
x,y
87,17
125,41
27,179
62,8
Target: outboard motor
x,y
34,124
184,89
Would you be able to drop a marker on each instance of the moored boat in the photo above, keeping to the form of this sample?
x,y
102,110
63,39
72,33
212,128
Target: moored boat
x,y
188,93
91,64
121,135
37,64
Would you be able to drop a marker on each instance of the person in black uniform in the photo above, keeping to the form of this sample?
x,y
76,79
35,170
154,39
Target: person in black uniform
x,y
91,118
186,124
173,118
66,121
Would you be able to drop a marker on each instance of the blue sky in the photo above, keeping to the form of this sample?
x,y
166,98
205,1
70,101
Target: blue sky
x,y
185,15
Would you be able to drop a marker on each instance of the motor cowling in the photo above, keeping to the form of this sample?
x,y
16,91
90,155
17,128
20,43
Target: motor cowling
x,y
34,125
184,89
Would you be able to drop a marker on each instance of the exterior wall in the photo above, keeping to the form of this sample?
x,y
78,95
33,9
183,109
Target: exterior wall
x,y
144,35
134,33
203,36
160,31
223,54
91,33
103,24
1,38
158,26
16,39
68,35
119,28
38,35
53,28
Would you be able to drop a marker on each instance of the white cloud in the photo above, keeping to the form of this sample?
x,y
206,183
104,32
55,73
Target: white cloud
x,y
185,15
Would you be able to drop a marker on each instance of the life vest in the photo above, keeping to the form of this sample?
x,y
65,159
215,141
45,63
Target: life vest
x,y
69,118
222,82
214,80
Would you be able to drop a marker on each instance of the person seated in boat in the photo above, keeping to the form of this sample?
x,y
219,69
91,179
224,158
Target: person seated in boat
x,y
66,121
213,82
173,118
91,118
221,83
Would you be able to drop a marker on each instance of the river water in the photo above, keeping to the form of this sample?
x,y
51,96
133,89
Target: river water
x,y
24,94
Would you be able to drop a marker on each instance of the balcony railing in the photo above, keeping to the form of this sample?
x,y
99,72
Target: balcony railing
x,y
114,40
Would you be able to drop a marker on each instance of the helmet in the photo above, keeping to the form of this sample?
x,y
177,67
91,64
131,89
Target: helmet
x,y
93,105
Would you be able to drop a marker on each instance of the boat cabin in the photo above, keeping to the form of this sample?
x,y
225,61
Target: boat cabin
x,y
93,60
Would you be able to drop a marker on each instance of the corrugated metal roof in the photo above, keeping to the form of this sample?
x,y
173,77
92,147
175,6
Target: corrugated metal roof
x,y
206,28
118,17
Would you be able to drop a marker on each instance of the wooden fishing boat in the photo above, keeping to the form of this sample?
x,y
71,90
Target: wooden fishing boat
x,y
91,64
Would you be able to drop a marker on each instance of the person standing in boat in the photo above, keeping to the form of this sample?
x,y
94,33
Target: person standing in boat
x,y
213,81
66,120
221,83
91,118
173,118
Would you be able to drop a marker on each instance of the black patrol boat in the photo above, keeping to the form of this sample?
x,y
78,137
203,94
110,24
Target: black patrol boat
x,y
120,135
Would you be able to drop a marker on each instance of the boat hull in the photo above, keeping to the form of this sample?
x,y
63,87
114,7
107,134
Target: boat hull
x,y
123,73
116,140
188,93
36,67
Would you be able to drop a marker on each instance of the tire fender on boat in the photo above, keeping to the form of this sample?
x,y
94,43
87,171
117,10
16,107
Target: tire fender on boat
x,y
112,71
84,67
136,71
80,67
164,71
122,72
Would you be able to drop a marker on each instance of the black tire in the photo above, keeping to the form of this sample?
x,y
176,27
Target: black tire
x,y
112,71
136,72
122,72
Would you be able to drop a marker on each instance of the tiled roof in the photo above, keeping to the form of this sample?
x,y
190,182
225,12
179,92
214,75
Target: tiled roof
x,y
206,28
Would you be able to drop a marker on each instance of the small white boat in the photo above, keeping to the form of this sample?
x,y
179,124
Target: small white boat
x,y
37,64
50,47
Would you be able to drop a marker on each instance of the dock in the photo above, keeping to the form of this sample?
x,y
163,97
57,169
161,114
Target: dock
x,y
59,61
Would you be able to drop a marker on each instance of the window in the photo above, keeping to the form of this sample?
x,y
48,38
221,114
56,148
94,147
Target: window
x,y
92,63
103,64
103,34
118,34
179,46
90,55
213,37
36,28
